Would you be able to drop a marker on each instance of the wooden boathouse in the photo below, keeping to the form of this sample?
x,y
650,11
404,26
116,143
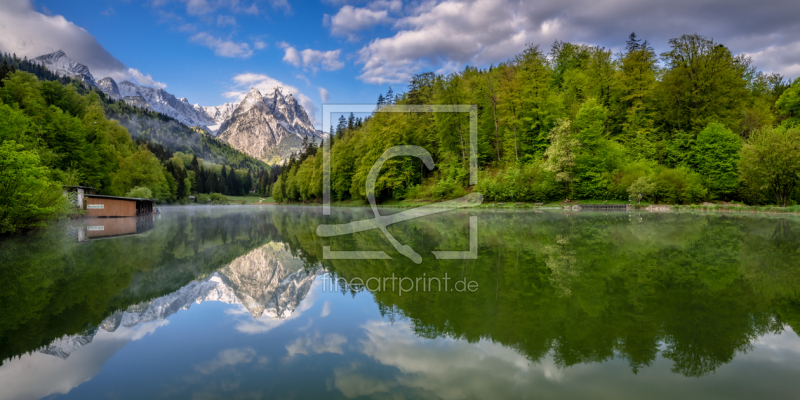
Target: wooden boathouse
x,y
112,206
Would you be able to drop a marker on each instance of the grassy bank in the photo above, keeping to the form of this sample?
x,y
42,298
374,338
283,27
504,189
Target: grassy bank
x,y
726,207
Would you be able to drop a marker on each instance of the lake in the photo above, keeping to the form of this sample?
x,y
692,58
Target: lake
x,y
244,303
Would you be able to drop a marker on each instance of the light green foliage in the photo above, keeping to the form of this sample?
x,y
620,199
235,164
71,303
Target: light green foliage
x,y
771,162
141,169
140,192
680,186
644,187
529,182
789,103
27,196
562,153
716,157
218,198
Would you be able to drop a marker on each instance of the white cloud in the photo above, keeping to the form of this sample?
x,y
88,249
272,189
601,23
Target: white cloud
x,y
199,7
326,308
446,35
225,20
230,358
204,8
350,19
108,12
224,48
304,79
36,375
310,59
29,33
145,79
323,93
317,344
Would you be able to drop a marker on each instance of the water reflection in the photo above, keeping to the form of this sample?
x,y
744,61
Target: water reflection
x,y
105,228
566,300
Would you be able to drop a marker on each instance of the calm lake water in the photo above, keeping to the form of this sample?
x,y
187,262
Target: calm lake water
x,y
239,303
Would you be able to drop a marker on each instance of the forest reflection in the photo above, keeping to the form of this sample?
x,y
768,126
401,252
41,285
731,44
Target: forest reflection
x,y
696,289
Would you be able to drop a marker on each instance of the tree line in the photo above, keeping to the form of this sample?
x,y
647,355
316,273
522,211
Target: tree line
x,y
694,123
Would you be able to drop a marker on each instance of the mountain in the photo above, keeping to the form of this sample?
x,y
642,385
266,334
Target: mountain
x,y
268,281
269,128
62,65
161,101
259,124
109,87
217,113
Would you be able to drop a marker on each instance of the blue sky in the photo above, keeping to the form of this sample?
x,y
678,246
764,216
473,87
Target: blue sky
x,y
175,45
349,51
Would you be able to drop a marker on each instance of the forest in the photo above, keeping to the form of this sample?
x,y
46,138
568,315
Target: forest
x,y
695,123
56,131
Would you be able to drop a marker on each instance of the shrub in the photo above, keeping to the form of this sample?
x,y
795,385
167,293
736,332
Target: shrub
x,y
679,186
528,182
140,192
642,186
217,198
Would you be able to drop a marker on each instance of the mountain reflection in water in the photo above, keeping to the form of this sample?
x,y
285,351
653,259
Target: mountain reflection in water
x,y
568,304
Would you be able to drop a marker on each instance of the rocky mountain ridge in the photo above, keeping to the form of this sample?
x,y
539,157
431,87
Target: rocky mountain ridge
x,y
268,127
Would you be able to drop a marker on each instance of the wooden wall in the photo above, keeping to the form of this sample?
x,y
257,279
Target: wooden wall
x,y
111,207
110,227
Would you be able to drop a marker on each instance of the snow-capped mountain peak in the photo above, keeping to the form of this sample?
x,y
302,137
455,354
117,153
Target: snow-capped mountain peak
x,y
255,132
268,282
59,63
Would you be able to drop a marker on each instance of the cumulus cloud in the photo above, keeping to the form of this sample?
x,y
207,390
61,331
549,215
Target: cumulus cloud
x,y
310,59
351,19
26,32
448,34
221,47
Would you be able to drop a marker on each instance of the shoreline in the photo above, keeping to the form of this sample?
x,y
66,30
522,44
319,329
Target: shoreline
x,y
770,209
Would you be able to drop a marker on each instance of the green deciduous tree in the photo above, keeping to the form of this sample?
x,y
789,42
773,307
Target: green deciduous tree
x,y
771,161
27,196
716,157
789,103
702,83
